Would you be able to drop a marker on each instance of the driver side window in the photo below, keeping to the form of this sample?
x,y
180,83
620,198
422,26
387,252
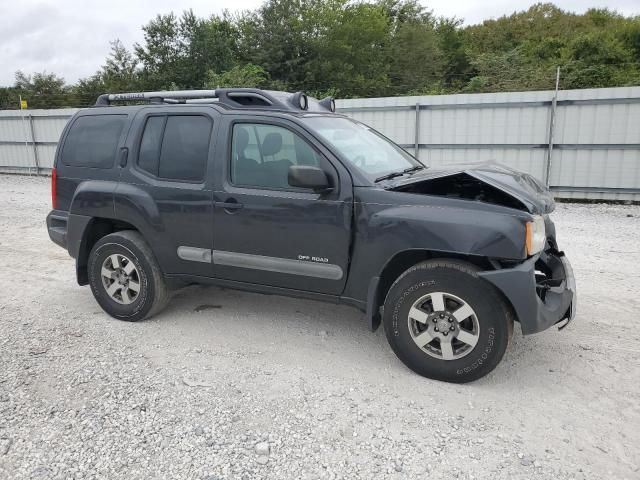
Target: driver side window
x,y
262,154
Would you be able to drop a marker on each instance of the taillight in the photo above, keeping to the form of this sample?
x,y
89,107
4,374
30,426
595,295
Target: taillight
x,y
54,189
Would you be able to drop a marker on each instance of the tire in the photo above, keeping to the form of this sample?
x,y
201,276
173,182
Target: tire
x,y
123,263
430,331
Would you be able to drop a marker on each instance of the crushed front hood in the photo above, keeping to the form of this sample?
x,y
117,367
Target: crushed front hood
x,y
524,188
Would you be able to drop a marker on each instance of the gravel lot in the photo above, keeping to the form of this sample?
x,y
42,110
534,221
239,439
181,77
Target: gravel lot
x,y
231,385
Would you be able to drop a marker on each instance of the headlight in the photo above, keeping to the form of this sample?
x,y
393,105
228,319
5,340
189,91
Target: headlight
x,y
536,236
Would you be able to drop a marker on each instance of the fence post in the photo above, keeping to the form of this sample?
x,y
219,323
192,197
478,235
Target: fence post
x,y
416,149
33,143
552,122
26,134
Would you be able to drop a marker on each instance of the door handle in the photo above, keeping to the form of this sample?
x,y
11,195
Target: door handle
x,y
229,205
124,154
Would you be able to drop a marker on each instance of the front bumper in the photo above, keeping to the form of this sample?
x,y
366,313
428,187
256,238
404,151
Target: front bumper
x,y
542,299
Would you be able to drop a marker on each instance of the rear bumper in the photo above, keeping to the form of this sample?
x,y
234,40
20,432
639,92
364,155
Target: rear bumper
x,y
57,222
543,301
67,230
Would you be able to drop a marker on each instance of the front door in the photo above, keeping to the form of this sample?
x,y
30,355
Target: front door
x,y
267,232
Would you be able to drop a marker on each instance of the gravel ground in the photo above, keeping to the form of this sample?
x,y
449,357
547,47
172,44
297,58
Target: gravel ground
x,y
231,385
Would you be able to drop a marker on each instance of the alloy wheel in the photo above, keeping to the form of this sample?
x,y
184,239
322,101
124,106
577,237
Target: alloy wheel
x,y
444,325
120,278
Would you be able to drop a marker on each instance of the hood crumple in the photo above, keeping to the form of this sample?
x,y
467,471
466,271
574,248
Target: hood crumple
x,y
486,182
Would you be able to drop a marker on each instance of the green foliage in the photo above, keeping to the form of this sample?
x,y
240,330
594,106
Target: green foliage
x,y
162,55
214,45
41,90
277,37
351,54
120,73
248,75
522,51
358,48
509,71
456,63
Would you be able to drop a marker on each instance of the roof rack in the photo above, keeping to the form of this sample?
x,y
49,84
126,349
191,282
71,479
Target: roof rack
x,y
233,97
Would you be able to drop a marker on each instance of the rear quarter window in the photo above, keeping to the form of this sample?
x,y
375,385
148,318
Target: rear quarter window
x,y
93,140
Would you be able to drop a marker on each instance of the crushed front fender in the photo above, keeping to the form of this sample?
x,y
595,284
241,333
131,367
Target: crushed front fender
x,y
540,301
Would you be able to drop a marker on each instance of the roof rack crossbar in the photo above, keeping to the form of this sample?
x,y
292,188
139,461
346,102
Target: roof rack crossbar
x,y
107,98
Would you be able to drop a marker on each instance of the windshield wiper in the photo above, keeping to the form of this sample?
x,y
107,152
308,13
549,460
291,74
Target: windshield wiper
x,y
391,175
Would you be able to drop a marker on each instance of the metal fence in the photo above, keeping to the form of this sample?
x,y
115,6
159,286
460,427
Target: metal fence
x,y
585,144
28,139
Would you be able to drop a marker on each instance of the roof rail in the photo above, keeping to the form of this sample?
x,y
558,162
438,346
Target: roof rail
x,y
107,98
253,98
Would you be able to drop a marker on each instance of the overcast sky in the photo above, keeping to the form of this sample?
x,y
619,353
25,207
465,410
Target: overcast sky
x,y
71,37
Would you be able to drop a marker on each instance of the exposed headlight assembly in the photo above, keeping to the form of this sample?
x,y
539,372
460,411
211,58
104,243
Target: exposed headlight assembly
x,y
536,236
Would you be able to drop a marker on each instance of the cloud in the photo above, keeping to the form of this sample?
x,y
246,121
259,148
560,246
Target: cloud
x,y
71,37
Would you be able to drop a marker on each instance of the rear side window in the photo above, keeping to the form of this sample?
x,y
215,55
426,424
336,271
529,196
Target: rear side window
x,y
93,140
175,147
150,145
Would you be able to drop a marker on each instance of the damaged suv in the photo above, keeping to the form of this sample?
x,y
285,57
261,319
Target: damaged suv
x,y
276,193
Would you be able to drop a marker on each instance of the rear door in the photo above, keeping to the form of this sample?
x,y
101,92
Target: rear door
x,y
167,184
267,232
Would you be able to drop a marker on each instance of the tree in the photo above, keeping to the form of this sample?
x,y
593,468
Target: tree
x,y
120,72
351,56
598,59
276,37
508,71
246,76
42,90
522,51
214,45
9,98
415,58
161,53
456,66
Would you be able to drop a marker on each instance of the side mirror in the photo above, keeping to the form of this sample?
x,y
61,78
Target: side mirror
x,y
304,176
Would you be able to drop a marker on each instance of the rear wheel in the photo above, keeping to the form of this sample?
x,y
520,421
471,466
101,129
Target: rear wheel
x,y
125,278
446,323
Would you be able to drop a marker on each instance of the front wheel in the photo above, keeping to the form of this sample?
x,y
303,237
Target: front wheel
x,y
446,323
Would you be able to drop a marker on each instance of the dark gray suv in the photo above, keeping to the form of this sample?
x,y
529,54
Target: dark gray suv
x,y
276,193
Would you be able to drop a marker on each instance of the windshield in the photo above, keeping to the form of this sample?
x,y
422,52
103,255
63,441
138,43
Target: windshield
x,y
366,149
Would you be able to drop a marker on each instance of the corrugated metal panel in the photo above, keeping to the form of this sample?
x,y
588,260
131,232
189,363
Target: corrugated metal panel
x,y
596,168
49,130
14,129
16,156
17,151
46,154
526,160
